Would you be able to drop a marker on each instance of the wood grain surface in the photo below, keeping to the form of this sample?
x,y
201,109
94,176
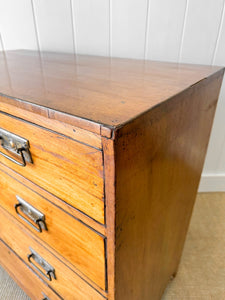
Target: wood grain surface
x,y
55,201
67,283
74,132
109,160
99,90
78,244
159,159
70,170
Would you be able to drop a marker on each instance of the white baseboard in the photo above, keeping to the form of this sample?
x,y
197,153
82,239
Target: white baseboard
x,y
212,183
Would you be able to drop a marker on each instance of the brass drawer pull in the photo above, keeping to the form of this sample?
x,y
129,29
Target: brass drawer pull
x,y
32,213
16,145
50,271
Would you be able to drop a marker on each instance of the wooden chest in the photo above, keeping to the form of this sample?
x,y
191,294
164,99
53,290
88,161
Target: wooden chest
x,y
99,167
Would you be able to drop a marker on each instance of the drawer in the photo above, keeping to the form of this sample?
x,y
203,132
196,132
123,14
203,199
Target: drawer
x,y
24,276
64,167
63,280
80,245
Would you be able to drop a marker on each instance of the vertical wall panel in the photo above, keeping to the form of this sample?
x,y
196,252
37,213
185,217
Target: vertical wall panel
x,y
216,153
165,28
1,44
203,20
17,25
216,148
54,25
4,80
220,50
129,19
220,116
92,26
215,159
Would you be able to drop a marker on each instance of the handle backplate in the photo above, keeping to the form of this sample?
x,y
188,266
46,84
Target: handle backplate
x,y
49,270
36,219
16,145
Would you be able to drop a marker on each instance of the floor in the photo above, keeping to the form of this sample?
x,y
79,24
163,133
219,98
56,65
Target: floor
x,y
9,289
201,274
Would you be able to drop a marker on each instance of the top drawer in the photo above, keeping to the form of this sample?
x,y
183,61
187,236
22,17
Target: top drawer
x,y
68,169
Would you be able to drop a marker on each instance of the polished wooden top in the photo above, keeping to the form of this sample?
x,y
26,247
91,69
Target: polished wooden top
x,y
109,91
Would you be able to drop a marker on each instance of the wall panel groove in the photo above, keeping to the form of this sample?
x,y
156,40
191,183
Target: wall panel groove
x,y
147,29
35,25
165,29
92,26
203,21
73,27
17,26
1,43
215,159
219,33
129,28
110,28
54,25
183,30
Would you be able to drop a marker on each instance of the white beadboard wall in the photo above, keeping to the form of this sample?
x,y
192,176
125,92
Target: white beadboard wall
x,y
190,31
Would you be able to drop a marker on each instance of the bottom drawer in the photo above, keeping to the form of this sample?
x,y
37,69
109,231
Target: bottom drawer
x,y
24,276
49,268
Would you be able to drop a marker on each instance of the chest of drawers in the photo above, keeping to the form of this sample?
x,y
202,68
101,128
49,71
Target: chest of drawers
x,y
99,167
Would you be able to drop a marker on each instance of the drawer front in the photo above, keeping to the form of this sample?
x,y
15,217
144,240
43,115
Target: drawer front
x,y
24,276
68,169
77,243
63,280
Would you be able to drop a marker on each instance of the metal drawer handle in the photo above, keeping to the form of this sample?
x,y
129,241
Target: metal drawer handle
x,y
49,270
32,213
17,145
45,297
19,151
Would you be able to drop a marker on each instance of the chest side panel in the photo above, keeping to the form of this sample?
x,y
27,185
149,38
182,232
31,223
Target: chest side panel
x,y
159,159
